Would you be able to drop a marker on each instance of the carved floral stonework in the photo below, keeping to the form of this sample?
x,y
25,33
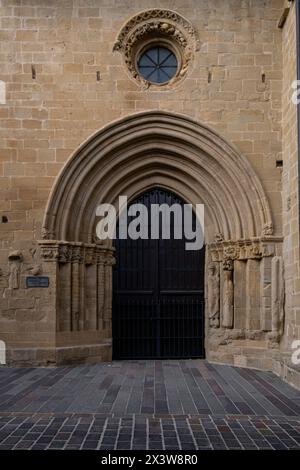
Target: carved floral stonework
x,y
243,249
219,237
268,229
47,234
72,252
157,25
228,265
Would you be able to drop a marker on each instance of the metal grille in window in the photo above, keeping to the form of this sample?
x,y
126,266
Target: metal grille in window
x,y
158,65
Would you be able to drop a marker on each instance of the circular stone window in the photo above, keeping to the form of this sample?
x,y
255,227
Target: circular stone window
x,y
158,47
158,65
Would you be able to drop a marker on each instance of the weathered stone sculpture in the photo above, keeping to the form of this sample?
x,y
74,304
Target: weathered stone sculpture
x,y
15,259
214,295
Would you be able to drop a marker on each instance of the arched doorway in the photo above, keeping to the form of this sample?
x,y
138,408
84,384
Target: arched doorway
x,y
243,247
158,293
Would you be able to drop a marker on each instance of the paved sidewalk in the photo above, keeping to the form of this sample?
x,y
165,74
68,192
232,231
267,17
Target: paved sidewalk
x,y
147,405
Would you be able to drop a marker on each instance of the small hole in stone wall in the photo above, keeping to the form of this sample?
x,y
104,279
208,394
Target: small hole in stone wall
x,y
279,163
263,78
98,76
33,72
4,219
209,78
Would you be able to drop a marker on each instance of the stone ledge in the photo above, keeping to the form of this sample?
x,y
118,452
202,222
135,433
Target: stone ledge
x,y
287,372
47,357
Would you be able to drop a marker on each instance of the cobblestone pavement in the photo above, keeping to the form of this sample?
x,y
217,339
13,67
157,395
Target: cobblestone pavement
x,y
155,405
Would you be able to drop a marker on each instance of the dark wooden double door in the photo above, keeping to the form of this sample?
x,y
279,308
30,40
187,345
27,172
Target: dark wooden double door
x,y
158,294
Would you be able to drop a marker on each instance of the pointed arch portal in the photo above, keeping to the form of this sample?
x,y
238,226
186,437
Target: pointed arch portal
x,y
179,155
152,148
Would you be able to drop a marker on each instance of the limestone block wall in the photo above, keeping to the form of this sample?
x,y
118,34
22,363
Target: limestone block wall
x,y
290,201
64,83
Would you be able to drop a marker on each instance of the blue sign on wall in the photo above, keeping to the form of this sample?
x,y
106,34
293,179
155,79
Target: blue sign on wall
x,y
37,281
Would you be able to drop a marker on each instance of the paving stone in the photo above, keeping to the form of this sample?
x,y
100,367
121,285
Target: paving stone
x,y
205,411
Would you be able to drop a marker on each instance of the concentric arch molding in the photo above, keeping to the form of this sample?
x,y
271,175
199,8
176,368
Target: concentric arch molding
x,y
159,149
157,27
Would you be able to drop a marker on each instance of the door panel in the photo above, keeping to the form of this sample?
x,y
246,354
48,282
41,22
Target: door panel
x,y
158,295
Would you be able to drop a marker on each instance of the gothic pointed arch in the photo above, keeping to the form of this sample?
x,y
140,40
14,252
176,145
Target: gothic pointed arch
x,y
166,149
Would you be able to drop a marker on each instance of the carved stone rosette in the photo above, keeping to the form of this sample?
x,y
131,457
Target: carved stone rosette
x,y
160,27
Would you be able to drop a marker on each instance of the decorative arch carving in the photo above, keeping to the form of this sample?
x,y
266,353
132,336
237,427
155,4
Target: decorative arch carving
x,y
166,149
181,155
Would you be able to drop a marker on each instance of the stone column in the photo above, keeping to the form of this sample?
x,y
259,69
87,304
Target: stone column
x,y
108,264
277,296
253,295
82,287
265,294
49,256
239,294
90,296
76,289
213,294
227,294
64,296
100,292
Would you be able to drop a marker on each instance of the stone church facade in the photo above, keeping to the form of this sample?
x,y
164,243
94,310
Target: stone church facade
x,y
82,125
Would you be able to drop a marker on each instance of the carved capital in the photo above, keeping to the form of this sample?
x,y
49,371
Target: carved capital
x,y
243,249
50,253
228,265
231,252
219,237
72,252
268,229
47,234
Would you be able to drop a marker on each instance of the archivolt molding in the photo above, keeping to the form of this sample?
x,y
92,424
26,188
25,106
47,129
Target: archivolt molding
x,y
157,24
163,149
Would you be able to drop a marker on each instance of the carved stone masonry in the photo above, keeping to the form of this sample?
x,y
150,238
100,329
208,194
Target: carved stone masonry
x,y
90,304
47,234
157,24
257,248
15,259
76,252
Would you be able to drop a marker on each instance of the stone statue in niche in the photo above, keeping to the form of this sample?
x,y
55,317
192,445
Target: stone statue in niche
x,y
213,295
227,318
15,258
277,299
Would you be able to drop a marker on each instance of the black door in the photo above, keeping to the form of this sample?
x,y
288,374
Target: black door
x,y
158,295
